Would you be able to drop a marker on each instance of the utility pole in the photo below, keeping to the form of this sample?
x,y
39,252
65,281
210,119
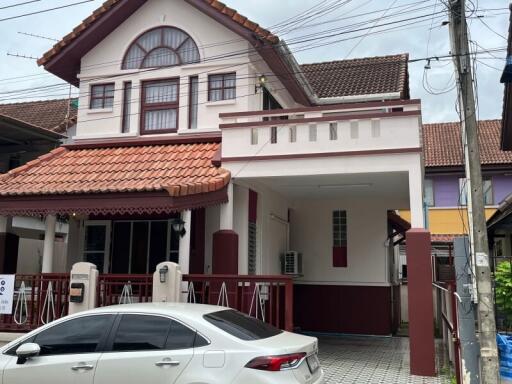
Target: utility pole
x,y
489,364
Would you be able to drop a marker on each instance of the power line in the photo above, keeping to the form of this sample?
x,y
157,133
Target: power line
x,y
45,10
19,4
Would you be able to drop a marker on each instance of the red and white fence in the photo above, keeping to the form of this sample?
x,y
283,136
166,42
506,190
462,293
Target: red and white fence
x,y
44,297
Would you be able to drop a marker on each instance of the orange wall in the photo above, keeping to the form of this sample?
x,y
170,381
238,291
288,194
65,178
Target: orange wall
x,y
447,221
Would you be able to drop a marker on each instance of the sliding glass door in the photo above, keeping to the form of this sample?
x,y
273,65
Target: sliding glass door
x,y
139,246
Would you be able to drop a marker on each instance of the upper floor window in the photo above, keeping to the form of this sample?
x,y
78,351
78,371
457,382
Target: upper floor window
x,y
429,192
102,96
487,191
222,87
160,106
161,47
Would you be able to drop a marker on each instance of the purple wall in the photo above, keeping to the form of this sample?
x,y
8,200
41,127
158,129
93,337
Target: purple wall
x,y
446,191
502,187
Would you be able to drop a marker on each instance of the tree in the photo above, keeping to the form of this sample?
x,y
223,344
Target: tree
x,y
503,278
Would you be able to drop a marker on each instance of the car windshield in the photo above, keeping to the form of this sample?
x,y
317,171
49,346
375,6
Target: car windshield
x,y
240,325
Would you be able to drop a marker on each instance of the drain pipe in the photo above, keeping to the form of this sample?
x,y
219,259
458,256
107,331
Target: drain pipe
x,y
286,223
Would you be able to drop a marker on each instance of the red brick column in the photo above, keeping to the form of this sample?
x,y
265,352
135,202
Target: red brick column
x,y
420,300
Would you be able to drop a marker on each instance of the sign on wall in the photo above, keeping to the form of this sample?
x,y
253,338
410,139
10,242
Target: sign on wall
x,y
6,294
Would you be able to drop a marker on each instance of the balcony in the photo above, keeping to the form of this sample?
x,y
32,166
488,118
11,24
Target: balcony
x,y
322,131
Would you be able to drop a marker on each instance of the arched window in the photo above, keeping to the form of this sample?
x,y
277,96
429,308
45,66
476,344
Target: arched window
x,y
161,47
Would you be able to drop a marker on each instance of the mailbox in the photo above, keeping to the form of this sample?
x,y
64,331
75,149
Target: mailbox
x,y
76,293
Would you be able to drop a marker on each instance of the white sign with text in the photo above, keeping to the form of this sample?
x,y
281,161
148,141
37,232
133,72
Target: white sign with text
x,y
6,294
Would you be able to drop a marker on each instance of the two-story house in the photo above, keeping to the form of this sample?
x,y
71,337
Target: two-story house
x,y
445,183
201,140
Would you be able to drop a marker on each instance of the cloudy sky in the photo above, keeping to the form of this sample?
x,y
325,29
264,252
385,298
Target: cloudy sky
x,y
356,28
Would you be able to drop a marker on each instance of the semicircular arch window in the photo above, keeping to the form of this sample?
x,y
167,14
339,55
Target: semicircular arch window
x,y
161,47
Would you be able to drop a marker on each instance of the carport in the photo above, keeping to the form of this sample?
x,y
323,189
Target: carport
x,y
366,359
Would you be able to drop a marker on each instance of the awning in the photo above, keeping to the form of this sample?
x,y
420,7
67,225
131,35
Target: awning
x,y
134,178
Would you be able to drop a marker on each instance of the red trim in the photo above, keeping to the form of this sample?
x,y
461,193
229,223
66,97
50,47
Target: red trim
x,y
107,203
324,154
142,141
338,106
365,116
253,206
339,257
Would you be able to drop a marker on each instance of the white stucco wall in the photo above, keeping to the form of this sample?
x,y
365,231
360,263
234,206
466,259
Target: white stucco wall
x,y
237,141
311,234
217,45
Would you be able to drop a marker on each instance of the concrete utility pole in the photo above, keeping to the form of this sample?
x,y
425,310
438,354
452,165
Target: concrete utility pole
x,y
489,364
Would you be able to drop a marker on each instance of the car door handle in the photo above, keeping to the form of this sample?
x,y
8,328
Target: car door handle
x,y
167,363
85,367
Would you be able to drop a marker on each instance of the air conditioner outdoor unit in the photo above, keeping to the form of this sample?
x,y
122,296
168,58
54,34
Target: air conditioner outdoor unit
x,y
291,263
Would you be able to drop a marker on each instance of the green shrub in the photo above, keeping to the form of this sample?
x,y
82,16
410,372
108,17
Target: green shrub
x,y
503,278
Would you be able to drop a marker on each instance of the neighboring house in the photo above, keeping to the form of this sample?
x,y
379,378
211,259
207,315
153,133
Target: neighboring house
x,y
223,162
445,183
27,131
506,79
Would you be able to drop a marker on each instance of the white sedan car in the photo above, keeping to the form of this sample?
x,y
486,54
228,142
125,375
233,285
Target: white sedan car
x,y
160,343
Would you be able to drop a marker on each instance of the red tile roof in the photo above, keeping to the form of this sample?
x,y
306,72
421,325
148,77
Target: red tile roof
x,y
179,169
109,4
365,76
47,114
442,144
443,238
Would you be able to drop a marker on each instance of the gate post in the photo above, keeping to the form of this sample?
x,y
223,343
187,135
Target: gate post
x,y
167,283
420,300
83,284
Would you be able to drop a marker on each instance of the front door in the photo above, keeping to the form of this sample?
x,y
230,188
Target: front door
x,y
146,349
97,244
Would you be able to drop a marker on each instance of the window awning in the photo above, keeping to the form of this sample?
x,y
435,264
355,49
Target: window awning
x,y
135,178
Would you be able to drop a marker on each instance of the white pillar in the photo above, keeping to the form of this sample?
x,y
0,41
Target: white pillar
x,y
5,224
416,197
226,211
184,252
49,243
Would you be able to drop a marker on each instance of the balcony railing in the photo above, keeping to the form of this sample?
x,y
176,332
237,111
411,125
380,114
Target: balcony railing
x,y
334,129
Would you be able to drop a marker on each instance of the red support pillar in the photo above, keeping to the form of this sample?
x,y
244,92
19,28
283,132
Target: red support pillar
x,y
421,306
225,253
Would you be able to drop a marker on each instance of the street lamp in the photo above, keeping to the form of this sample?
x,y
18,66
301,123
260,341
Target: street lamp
x,y
178,225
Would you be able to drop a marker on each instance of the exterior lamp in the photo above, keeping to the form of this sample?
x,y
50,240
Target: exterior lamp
x,y
163,272
262,80
179,226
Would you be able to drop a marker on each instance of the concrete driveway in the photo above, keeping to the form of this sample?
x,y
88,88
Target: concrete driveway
x,y
364,360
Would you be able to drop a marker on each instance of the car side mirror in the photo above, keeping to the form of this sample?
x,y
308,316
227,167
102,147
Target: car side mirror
x,y
26,351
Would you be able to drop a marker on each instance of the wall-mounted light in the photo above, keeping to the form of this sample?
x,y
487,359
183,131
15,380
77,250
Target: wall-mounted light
x,y
163,273
178,225
260,83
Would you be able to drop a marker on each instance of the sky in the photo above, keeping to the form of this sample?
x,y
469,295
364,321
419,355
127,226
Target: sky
x,y
359,28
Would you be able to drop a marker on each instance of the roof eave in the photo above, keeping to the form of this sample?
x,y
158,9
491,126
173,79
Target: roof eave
x,y
66,63
33,129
